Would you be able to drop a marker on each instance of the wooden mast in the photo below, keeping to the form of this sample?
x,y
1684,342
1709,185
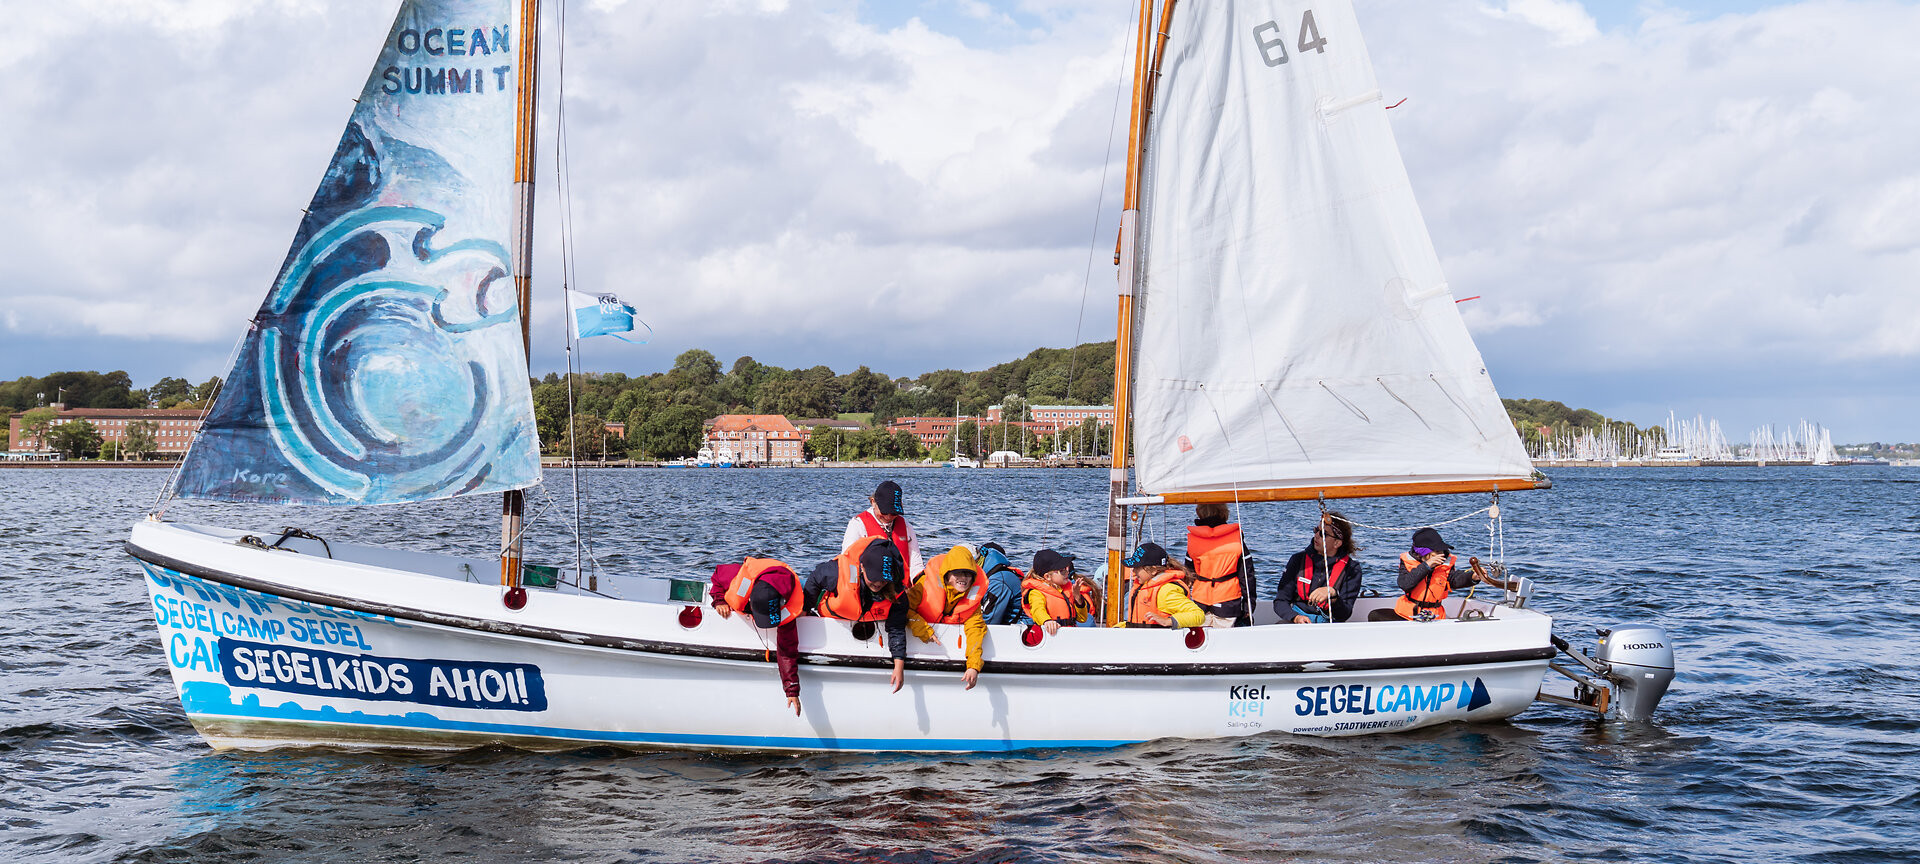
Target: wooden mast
x,y
1123,345
513,503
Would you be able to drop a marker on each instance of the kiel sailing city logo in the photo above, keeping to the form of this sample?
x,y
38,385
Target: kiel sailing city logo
x,y
1367,699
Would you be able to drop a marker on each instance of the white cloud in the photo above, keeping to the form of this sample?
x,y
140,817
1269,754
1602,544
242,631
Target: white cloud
x,y
1699,194
1567,20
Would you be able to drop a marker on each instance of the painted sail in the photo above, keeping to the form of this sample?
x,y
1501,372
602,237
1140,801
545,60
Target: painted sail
x,y
1292,326
386,363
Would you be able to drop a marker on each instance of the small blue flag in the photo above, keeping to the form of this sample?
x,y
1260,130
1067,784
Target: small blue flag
x,y
601,315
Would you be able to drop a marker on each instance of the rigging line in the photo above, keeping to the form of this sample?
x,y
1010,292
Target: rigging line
x,y
167,495
1093,244
563,176
1418,527
1456,403
1396,397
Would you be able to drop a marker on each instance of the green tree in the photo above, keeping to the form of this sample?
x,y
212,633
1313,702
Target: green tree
x,y
906,445
141,439
36,423
669,433
75,439
168,392
589,438
696,368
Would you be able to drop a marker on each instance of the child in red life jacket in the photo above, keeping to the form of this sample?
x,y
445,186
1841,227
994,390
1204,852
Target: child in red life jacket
x,y
769,593
1052,599
885,516
1322,581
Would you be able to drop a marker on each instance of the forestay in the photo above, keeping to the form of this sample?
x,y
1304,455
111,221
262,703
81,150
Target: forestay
x,y
1292,327
386,363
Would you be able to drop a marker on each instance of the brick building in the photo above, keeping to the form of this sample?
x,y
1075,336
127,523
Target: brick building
x,y
755,439
1052,418
932,431
173,429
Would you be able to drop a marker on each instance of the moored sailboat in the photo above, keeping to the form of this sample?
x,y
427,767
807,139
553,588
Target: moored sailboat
x,y
1264,193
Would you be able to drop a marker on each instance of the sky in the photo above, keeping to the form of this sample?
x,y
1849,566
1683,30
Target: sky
x,y
1690,206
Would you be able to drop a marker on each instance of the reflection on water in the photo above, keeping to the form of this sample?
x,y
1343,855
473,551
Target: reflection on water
x,y
1790,733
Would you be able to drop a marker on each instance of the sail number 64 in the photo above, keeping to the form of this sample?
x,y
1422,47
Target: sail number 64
x,y
1273,46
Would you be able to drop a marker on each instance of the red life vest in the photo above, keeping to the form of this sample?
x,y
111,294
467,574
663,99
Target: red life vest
x,y
1216,551
741,591
1428,594
1061,602
934,608
843,601
1146,598
898,534
1305,580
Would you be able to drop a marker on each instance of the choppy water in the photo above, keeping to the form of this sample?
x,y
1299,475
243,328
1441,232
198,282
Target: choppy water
x,y
1790,734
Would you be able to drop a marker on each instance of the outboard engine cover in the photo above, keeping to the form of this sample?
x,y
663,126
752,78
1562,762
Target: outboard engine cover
x,y
1641,660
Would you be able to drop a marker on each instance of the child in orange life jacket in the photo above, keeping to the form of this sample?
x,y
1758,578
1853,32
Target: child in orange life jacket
x,y
865,584
1160,596
950,592
1051,597
1428,573
767,591
1222,569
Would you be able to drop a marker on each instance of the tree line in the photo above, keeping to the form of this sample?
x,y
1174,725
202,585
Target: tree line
x,y
665,412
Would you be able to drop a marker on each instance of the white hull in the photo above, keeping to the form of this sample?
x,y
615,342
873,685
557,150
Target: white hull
x,y
271,648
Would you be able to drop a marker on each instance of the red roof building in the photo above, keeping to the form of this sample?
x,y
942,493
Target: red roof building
x,y
755,439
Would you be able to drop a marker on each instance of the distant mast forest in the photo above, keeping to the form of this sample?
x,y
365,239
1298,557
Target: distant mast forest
x,y
664,412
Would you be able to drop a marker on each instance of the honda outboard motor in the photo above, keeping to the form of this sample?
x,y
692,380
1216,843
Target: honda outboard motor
x,y
1639,662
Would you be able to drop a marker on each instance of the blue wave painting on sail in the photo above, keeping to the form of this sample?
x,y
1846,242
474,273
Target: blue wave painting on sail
x,y
386,363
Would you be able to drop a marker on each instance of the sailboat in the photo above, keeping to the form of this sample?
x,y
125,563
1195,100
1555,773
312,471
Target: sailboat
x,y
1285,334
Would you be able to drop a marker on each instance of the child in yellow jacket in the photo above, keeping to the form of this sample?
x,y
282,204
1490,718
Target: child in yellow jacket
x,y
1050,597
953,596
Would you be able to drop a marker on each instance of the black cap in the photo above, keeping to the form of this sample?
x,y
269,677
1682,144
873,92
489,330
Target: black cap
x,y
1148,555
1428,538
1047,561
880,562
887,499
768,605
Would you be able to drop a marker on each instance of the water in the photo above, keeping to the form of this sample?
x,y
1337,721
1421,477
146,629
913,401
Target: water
x,y
1790,734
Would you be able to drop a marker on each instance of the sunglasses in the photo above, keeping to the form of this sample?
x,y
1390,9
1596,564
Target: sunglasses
x,y
1330,535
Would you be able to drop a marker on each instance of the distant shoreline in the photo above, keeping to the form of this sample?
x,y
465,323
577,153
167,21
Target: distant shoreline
x,y
87,463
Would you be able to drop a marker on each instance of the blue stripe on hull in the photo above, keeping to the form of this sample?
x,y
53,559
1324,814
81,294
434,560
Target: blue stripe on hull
x,y
208,700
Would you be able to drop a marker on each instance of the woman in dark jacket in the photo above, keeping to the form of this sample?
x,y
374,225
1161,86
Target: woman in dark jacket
x,y
1304,596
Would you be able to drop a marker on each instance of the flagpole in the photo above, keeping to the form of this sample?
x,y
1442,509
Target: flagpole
x,y
513,503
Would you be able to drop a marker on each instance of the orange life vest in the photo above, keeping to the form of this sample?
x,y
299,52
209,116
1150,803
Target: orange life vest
x,y
1216,551
843,601
934,607
1304,581
1061,602
1146,598
1428,594
898,533
741,591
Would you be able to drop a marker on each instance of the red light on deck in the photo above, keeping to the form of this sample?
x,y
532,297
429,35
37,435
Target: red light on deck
x,y
1031,636
1196,637
690,617
516,598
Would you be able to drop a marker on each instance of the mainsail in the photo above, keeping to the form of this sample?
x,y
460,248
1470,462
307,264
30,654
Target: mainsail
x,y
386,363
1292,329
